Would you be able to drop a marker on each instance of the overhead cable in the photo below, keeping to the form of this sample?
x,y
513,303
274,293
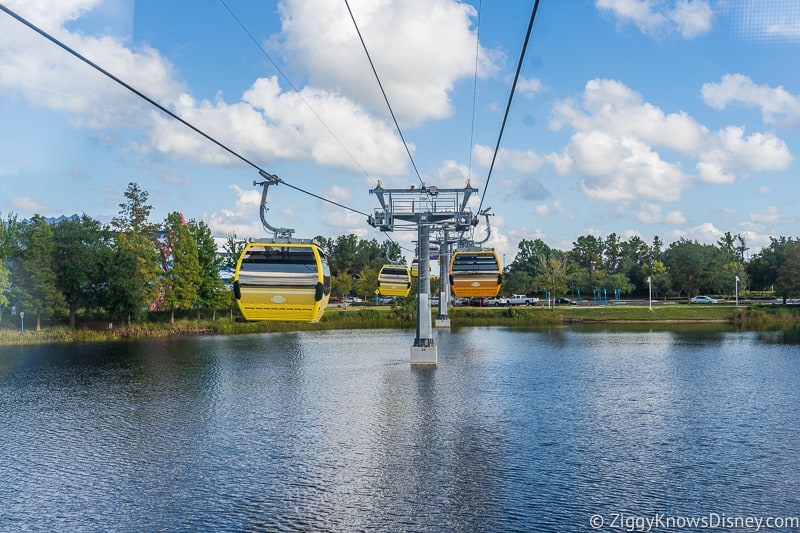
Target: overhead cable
x,y
474,88
510,98
296,91
159,106
386,99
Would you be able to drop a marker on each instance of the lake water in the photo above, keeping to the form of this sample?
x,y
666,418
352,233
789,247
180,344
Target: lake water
x,y
557,429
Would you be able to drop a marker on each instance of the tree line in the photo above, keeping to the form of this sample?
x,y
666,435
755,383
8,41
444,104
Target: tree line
x,y
683,269
77,267
122,270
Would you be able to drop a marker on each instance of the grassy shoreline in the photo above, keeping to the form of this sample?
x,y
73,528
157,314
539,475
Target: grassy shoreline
x,y
756,317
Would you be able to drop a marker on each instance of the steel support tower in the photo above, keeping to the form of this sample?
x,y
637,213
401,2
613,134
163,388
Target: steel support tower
x,y
423,209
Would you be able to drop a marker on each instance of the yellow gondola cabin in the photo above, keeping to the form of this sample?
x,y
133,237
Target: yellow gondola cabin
x,y
394,280
475,273
282,281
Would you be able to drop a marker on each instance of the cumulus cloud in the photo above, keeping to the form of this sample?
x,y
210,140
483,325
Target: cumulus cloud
x,y
778,106
705,233
627,149
243,219
521,160
652,213
772,216
266,122
689,18
733,153
615,168
529,87
399,36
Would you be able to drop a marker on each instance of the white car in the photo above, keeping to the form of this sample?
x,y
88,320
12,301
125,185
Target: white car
x,y
703,300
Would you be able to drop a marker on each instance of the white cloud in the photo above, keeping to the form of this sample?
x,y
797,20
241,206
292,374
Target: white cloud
x,y
520,160
619,168
675,217
27,204
705,233
529,87
611,106
771,216
399,37
266,123
243,219
690,18
777,105
621,145
734,154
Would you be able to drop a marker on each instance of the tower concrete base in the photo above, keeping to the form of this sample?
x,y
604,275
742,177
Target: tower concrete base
x,y
424,355
442,323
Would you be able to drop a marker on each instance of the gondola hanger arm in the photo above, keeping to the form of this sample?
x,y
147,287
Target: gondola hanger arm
x,y
270,179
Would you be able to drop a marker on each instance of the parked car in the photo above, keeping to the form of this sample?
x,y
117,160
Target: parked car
x,y
521,299
497,302
566,301
478,302
703,300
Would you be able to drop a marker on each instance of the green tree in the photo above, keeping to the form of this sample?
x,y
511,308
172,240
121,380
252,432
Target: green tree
x,y
613,254
657,248
33,271
341,284
5,283
182,276
518,282
136,259
212,293
343,255
9,239
636,255
657,272
763,268
367,282
350,255
529,258
134,211
587,256
233,248
787,284
553,277
81,255
695,267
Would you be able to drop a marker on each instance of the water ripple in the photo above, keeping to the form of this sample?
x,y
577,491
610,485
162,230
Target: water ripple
x,y
516,430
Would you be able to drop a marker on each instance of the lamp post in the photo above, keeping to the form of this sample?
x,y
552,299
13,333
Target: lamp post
x,y
737,291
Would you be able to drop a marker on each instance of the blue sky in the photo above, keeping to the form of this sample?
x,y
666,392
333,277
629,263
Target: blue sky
x,y
638,117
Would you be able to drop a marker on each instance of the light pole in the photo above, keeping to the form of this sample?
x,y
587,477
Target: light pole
x,y
737,291
650,283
